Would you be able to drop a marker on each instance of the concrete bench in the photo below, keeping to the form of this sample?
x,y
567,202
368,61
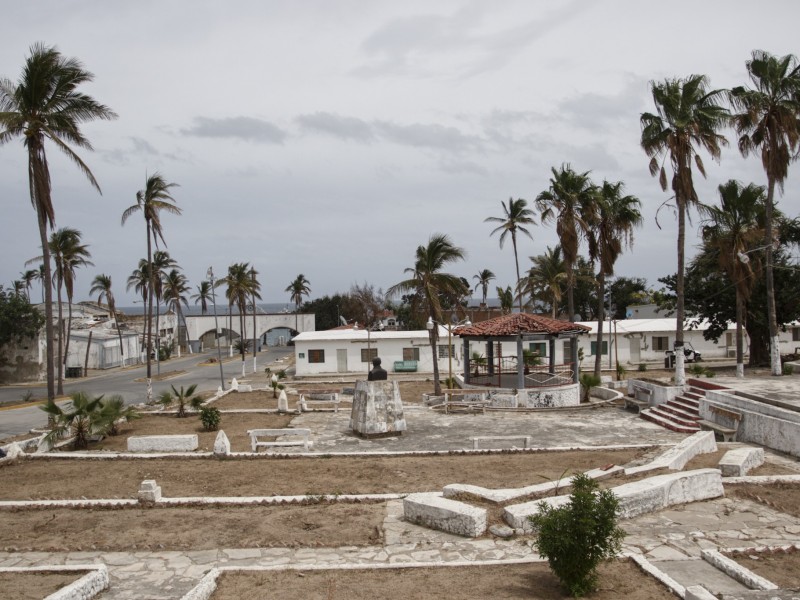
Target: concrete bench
x,y
636,404
728,433
464,406
405,366
317,399
737,462
433,511
163,443
525,439
256,434
642,393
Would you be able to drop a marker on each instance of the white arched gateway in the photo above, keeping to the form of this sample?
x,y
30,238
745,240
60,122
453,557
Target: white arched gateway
x,y
199,326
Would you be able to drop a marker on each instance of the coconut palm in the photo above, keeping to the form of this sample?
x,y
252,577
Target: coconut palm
x,y
18,288
203,295
733,228
506,297
161,262
101,285
612,229
297,289
46,104
28,277
570,195
79,418
515,218
139,281
547,278
688,117
432,286
484,277
40,278
154,198
241,284
68,254
767,121
175,287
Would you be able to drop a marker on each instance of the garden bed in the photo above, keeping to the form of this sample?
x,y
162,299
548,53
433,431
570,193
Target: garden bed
x,y
34,585
780,567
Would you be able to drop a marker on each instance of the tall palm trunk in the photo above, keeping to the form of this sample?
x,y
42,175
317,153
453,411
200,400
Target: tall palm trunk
x,y
570,290
774,342
437,386
69,326
47,292
119,334
680,373
601,315
60,339
739,336
516,263
255,333
157,299
149,325
242,337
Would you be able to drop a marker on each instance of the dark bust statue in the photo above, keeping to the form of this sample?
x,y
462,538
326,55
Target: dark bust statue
x,y
377,373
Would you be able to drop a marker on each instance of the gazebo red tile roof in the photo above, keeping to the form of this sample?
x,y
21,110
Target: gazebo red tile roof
x,y
520,324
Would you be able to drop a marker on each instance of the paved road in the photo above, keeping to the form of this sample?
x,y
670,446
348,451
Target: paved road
x,y
123,382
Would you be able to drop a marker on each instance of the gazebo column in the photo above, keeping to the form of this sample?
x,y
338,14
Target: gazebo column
x,y
520,365
490,357
573,351
552,348
466,361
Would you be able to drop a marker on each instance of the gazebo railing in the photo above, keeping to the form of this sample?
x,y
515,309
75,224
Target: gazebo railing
x,y
535,375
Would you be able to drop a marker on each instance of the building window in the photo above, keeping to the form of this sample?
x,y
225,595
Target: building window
x,y
729,341
660,342
411,353
796,334
567,351
594,348
539,347
443,351
367,354
316,356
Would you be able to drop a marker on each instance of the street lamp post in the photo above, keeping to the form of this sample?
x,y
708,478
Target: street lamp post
x,y
210,275
430,325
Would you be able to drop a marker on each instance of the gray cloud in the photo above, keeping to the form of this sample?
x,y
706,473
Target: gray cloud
x,y
345,128
592,111
245,128
428,136
123,156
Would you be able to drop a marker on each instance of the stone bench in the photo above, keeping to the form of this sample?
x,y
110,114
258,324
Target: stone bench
x,y
525,439
405,366
464,406
636,404
737,462
431,510
728,433
642,393
256,434
163,443
316,399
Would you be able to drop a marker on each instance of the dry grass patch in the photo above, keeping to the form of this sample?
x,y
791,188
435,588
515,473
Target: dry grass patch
x,y
783,497
34,585
780,567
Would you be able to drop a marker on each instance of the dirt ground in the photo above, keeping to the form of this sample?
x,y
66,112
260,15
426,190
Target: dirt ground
x,y
784,497
235,426
781,568
532,581
33,479
190,528
34,586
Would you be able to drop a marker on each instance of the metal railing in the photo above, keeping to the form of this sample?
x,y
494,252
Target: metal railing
x,y
506,372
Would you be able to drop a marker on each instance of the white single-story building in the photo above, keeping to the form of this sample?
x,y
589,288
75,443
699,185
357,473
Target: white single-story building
x,y
631,341
104,348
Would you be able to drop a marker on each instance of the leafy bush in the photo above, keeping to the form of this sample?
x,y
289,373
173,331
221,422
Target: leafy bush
x,y
80,418
697,370
210,417
577,537
642,367
113,411
164,352
620,372
238,344
787,369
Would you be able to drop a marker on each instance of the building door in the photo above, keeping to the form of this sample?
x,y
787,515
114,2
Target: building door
x,y
341,361
636,354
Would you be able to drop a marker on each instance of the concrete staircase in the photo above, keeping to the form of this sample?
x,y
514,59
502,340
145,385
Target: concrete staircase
x,y
680,414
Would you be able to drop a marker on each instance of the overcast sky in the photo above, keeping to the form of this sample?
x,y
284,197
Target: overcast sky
x,y
332,137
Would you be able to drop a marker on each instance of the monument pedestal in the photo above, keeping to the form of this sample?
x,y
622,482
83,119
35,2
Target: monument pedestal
x,y
377,409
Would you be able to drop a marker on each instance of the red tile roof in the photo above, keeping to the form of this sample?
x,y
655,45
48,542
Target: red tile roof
x,y
519,323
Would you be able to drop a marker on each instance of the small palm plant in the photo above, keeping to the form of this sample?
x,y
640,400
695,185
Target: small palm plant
x,y
80,418
182,397
114,412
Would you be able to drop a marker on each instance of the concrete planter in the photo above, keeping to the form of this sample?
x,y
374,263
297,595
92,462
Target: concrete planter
x,y
660,392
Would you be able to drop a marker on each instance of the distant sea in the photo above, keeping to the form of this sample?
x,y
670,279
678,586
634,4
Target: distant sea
x,y
273,307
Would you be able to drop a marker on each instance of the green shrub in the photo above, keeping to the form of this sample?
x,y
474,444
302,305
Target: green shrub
x,y
620,372
788,369
697,370
588,381
164,352
577,537
210,417
642,367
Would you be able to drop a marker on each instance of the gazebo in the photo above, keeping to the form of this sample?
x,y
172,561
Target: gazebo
x,y
513,372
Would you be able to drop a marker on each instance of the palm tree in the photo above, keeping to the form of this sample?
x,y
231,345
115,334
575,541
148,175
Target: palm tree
x,y
161,262
241,283
18,287
254,294
68,254
40,277
484,277
28,277
616,217
101,285
546,278
139,280
506,298
515,218
154,198
732,229
298,288
570,195
203,295
45,104
175,288
432,286
767,120
687,116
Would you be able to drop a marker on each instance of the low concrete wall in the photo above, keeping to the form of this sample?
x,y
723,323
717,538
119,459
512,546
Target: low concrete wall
x,y
660,393
764,422
451,516
702,442
163,443
85,588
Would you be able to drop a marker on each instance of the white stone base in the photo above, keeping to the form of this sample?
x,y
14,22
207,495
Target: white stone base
x,y
736,463
451,516
163,443
675,458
